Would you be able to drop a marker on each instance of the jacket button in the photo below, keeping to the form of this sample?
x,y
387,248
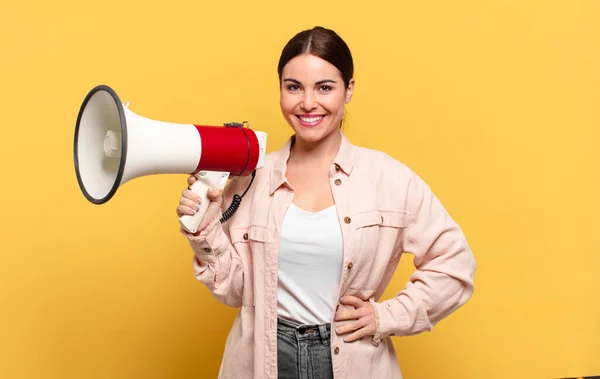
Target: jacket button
x,y
347,220
336,351
207,249
338,182
350,265
246,236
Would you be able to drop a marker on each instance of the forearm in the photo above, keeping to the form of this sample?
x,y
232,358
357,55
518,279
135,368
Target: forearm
x,y
217,265
430,296
445,267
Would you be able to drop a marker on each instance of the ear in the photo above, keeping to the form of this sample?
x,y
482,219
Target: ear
x,y
349,90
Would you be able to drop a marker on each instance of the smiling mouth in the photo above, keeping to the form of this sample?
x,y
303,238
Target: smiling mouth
x,y
310,119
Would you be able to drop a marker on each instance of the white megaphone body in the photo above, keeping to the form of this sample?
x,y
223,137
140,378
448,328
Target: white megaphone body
x,y
113,145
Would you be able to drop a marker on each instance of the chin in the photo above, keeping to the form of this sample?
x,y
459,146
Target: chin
x,y
309,137
312,135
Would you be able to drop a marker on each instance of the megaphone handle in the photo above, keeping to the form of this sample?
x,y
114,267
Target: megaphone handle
x,y
205,181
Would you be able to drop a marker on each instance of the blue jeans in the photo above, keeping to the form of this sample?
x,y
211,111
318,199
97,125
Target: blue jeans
x,y
303,351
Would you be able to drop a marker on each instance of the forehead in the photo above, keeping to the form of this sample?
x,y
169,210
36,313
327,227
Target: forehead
x,y
310,68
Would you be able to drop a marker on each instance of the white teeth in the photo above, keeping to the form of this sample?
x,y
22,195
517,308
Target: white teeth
x,y
311,119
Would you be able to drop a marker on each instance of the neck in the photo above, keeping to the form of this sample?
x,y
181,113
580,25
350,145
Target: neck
x,y
322,152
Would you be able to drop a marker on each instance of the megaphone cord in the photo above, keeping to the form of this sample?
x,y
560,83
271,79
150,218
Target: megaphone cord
x,y
235,202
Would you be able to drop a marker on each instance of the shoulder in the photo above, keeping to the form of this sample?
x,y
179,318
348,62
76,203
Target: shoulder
x,y
392,181
379,164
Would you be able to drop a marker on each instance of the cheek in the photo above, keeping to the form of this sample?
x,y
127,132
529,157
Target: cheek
x,y
335,105
286,103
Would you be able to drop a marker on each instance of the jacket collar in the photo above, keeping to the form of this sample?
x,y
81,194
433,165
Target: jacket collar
x,y
343,161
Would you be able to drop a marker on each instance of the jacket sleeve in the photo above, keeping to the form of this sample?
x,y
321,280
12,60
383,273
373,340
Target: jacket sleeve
x,y
216,262
445,267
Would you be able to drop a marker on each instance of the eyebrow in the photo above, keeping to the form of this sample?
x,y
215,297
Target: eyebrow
x,y
317,83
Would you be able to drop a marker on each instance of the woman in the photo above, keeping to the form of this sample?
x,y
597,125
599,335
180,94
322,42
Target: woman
x,y
318,236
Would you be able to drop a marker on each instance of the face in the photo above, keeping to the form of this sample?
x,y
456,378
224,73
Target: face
x,y
312,97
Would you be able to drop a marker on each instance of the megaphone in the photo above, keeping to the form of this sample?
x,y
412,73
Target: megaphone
x,y
114,145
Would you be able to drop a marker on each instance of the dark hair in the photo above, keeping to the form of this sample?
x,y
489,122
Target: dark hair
x,y
323,43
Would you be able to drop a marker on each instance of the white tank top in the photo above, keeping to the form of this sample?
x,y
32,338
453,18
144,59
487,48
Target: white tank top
x,y
310,265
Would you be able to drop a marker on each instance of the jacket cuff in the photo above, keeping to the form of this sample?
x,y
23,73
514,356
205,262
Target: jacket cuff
x,y
377,336
390,316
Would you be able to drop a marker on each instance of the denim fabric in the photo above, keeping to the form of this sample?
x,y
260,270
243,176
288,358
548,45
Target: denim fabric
x,y
303,351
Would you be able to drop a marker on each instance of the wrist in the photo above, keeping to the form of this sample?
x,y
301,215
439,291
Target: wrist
x,y
187,233
377,334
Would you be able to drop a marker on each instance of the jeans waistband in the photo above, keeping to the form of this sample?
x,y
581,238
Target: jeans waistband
x,y
305,331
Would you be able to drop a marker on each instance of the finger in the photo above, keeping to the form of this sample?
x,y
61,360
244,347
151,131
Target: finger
x,y
194,204
353,301
360,333
191,180
184,210
347,314
352,314
191,195
352,326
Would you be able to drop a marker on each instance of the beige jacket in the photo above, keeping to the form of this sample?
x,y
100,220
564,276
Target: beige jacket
x,y
384,209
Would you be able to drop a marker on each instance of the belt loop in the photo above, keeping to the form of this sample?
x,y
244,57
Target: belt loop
x,y
323,334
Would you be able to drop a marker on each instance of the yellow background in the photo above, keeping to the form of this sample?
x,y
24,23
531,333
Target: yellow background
x,y
496,104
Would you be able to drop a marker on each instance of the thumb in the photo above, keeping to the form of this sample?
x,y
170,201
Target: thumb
x,y
214,195
212,211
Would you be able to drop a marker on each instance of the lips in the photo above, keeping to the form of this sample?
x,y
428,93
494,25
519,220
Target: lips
x,y
310,120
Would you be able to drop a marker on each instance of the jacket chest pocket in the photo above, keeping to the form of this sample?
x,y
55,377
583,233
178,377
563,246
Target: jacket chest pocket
x,y
249,242
374,239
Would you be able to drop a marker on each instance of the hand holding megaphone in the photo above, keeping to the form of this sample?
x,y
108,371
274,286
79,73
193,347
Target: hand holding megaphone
x,y
113,145
196,209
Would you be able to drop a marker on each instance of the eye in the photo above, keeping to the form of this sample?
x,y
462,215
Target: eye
x,y
292,87
325,88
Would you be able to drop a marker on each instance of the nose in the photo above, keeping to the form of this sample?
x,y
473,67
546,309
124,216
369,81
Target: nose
x,y
308,101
